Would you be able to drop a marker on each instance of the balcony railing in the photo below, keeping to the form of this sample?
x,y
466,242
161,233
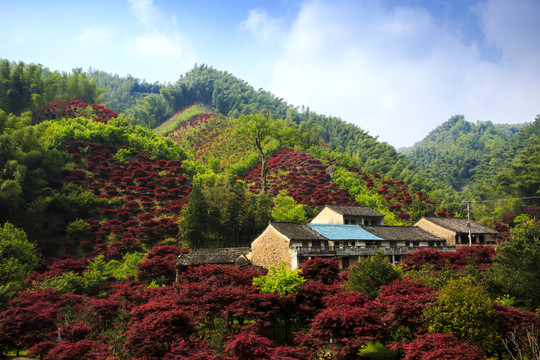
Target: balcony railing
x,y
359,250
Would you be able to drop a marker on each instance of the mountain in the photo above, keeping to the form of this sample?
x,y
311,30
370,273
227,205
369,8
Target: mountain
x,y
461,153
493,165
95,210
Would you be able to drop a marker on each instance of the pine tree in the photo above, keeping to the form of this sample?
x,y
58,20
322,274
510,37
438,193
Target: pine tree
x,y
195,219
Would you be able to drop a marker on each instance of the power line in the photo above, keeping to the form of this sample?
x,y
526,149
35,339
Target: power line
x,y
468,202
493,200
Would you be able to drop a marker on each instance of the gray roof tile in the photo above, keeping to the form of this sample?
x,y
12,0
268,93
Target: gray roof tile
x,y
352,210
398,233
459,225
297,231
212,256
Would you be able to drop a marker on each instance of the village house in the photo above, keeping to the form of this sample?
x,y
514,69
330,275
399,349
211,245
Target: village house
x,y
293,243
456,231
280,241
222,256
348,214
346,233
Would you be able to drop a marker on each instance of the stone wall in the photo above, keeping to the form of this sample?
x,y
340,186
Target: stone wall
x,y
270,249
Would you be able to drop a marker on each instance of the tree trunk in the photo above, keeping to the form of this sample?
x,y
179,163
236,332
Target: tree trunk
x,y
264,170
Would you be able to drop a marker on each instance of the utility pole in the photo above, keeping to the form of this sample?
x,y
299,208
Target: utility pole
x,y
469,221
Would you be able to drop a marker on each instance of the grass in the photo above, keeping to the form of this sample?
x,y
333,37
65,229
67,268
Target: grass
x,y
374,350
174,121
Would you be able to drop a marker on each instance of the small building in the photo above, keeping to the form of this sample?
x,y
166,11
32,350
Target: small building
x,y
222,256
293,243
456,231
279,243
399,240
347,242
348,214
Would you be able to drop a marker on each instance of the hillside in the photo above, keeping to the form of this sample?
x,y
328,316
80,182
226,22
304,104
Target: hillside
x,y
231,97
311,176
461,153
484,161
95,210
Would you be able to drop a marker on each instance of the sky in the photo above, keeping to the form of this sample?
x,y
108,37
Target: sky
x,y
395,68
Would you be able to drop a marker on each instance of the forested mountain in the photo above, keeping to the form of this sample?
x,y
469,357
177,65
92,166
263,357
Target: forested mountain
x,y
30,87
485,162
95,209
121,93
232,97
456,156
461,153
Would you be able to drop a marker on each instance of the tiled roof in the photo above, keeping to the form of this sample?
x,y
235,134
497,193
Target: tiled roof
x,y
395,233
212,256
352,210
459,225
343,232
297,231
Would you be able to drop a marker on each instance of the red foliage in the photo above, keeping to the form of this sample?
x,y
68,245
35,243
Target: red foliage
x,y
160,262
110,178
156,326
311,297
76,108
74,332
220,275
305,179
349,321
250,346
440,347
103,311
83,350
479,256
23,327
402,303
514,321
325,270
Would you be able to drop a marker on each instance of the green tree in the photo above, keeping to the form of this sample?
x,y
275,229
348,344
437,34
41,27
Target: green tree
x,y
287,210
223,196
195,218
370,273
465,310
280,279
515,269
78,231
267,135
17,255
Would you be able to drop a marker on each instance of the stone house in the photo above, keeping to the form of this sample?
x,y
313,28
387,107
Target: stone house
x,y
456,231
293,243
280,242
348,214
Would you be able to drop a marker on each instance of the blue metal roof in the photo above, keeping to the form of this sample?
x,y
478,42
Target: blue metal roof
x,y
343,232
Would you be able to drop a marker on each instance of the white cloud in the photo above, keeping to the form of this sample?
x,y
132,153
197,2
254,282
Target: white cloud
x,y
263,27
96,35
167,56
157,45
146,12
398,72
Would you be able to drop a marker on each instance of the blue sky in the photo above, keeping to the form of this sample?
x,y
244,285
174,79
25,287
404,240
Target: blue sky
x,y
396,68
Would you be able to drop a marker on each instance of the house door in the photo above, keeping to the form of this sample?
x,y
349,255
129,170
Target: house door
x,y
345,262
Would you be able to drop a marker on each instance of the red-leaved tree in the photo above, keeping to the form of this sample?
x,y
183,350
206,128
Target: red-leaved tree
x,y
440,347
